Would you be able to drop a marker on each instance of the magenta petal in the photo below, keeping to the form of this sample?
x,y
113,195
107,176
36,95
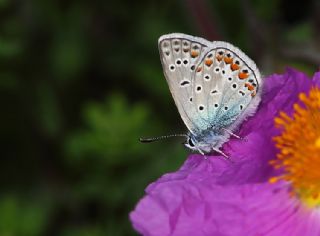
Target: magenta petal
x,y
187,203
316,79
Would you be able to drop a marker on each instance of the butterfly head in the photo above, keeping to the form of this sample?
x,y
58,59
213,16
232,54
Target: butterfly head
x,y
206,142
191,143
198,146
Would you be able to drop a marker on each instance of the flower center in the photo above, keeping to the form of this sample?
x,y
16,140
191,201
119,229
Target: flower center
x,y
299,146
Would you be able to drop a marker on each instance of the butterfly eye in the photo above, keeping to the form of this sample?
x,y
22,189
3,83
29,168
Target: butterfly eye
x,y
190,142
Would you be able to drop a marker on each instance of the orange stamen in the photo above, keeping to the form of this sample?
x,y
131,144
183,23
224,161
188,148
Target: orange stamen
x,y
299,148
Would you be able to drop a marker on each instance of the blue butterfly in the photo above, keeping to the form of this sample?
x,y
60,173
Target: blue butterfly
x,y
215,87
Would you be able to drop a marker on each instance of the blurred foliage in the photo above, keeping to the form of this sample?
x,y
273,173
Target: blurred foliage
x,y
81,81
109,127
21,217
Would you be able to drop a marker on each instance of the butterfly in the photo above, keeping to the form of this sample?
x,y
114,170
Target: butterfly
x,y
215,87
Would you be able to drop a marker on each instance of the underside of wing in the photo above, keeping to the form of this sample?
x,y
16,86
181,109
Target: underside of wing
x,y
226,87
180,54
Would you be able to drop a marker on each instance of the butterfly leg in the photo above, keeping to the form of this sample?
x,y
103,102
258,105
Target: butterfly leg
x,y
232,134
202,153
221,152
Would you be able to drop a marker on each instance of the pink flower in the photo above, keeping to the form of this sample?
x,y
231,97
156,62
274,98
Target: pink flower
x,y
217,197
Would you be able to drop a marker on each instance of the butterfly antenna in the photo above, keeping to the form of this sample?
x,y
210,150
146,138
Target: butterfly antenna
x,y
149,140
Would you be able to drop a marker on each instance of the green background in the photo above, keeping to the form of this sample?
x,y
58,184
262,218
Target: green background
x,y
81,81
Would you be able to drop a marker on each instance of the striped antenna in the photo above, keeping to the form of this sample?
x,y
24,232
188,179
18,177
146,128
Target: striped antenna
x,y
149,140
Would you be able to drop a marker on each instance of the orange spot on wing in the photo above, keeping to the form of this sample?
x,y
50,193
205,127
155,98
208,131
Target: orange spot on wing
x,y
228,60
235,67
253,94
219,58
194,54
208,62
249,86
199,69
243,75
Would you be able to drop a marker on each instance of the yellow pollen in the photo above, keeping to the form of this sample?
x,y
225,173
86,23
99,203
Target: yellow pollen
x,y
317,143
299,146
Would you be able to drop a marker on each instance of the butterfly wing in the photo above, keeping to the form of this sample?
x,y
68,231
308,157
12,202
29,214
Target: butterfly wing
x,y
214,84
180,54
226,87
